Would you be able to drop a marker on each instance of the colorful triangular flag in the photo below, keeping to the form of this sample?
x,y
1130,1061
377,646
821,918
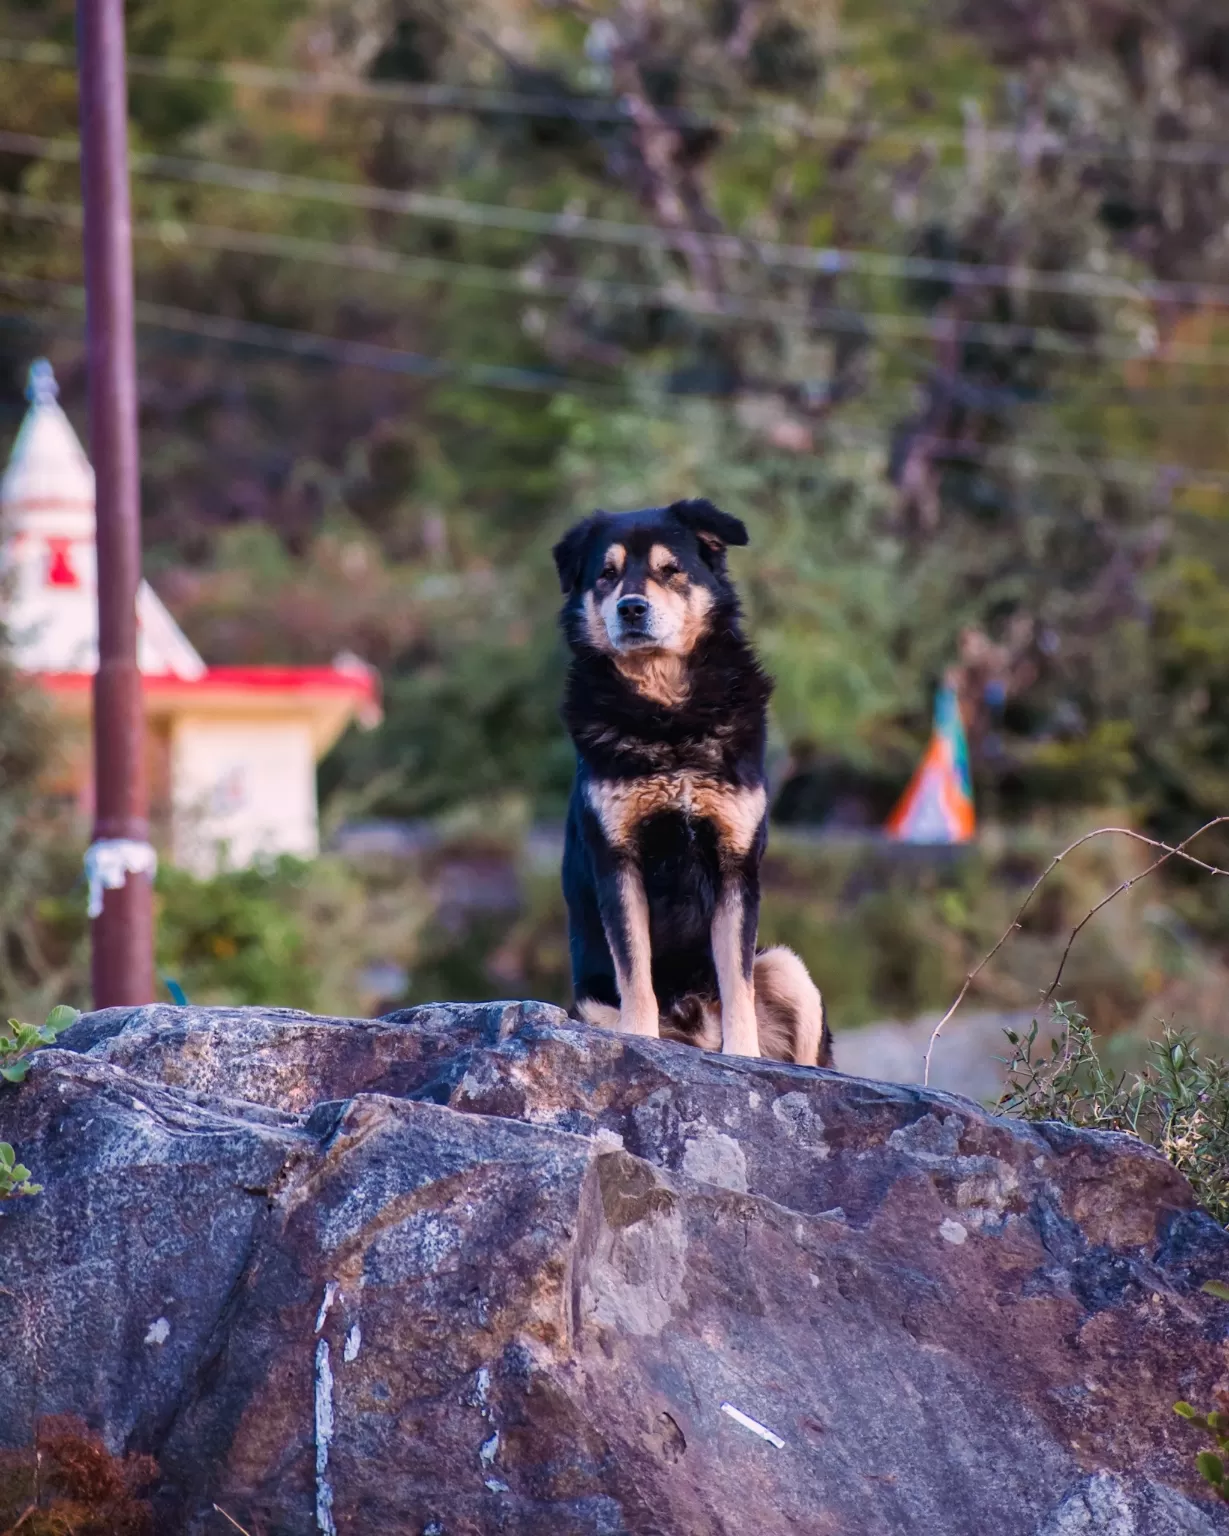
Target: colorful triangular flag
x,y
937,807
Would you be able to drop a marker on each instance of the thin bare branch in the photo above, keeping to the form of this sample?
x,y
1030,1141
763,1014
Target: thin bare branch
x,y
1169,852
1179,851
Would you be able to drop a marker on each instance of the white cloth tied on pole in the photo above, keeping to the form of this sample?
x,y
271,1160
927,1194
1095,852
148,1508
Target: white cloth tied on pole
x,y
110,861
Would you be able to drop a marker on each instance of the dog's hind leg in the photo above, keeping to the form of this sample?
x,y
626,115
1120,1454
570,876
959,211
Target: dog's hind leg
x,y
789,1010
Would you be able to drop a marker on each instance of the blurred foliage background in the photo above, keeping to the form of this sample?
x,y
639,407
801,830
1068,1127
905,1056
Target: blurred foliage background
x,y
932,295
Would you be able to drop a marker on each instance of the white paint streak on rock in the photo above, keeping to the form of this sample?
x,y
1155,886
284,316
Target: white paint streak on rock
x,y
952,1231
159,1332
330,1296
324,1437
753,1425
354,1341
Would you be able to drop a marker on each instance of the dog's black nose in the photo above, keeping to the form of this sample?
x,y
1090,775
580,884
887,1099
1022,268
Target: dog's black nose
x,y
633,609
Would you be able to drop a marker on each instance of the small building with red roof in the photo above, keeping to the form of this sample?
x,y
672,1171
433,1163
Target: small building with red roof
x,y
232,751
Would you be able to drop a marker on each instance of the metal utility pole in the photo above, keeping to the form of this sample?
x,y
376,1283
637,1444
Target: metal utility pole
x,y
120,861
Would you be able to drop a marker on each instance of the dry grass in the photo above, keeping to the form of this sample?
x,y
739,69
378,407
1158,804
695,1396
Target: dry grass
x,y
68,1484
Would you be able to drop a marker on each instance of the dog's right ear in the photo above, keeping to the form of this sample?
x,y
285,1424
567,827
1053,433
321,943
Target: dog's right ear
x,y
570,552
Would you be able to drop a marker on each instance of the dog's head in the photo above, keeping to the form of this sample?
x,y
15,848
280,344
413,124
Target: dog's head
x,y
639,582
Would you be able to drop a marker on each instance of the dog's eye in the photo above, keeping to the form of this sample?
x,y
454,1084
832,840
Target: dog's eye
x,y
609,572
668,572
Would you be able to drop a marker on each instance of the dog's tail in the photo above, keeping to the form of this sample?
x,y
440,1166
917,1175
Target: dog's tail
x,y
693,1020
790,1016
790,1013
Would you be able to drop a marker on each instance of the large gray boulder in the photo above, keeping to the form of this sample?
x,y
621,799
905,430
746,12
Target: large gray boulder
x,y
477,1269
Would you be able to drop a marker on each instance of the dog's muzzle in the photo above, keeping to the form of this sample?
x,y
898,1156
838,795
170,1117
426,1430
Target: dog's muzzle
x,y
633,612
635,621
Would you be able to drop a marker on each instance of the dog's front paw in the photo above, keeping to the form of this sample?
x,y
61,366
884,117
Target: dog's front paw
x,y
640,1021
740,1035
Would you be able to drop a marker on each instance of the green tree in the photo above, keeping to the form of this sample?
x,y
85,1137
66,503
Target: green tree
x,y
885,417
40,945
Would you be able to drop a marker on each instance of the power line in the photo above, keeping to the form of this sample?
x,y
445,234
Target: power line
x,y
876,263
576,226
387,262
463,98
1024,461
1028,140
378,259
309,344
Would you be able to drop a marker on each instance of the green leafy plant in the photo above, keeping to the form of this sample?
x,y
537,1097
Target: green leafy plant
x,y
1178,1102
14,1176
236,937
1211,1463
19,1041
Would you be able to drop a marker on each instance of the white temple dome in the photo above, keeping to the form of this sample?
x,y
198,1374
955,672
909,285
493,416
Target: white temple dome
x,y
49,483
49,558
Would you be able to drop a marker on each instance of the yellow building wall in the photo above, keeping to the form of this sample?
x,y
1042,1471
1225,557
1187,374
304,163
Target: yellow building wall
x,y
242,789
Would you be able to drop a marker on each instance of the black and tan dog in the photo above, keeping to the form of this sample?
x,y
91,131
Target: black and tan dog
x,y
666,705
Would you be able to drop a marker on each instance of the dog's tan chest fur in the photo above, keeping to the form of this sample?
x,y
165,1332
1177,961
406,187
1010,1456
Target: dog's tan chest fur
x,y
658,675
622,804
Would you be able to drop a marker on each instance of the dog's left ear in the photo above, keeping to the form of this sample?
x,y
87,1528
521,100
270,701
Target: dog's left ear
x,y
569,553
713,527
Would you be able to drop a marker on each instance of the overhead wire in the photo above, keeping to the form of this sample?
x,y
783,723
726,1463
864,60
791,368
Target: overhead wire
x,y
575,226
828,261
532,283
526,283
1027,140
308,345
312,344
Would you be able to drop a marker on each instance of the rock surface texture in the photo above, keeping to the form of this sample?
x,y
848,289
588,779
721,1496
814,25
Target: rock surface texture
x,y
476,1269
